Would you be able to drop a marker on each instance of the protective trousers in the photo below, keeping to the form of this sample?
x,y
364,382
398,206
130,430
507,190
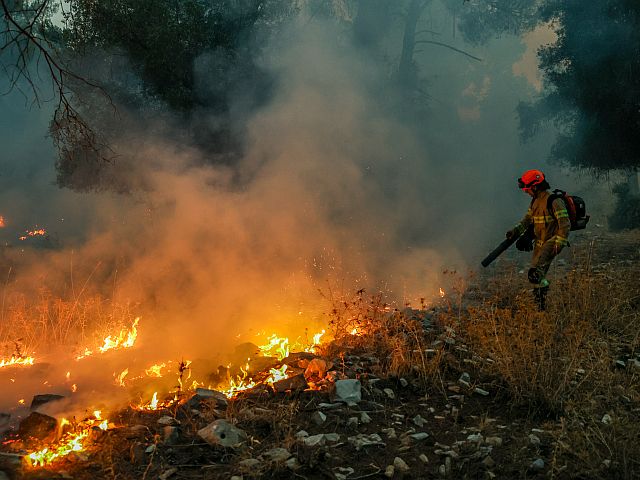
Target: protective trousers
x,y
541,260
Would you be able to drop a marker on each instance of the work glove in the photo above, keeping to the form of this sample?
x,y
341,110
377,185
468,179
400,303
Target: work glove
x,y
511,233
524,243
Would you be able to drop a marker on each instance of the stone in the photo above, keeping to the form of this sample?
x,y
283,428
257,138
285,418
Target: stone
x,y
352,422
419,436
137,455
332,437
348,391
314,440
465,379
292,463
316,370
475,438
390,471
212,397
302,434
167,420
423,458
365,418
296,383
488,462
365,440
11,461
389,393
330,406
419,421
221,432
606,419
534,440
39,426
537,464
318,417
277,455
39,400
390,433
493,441
170,434
150,449
400,465
249,464
404,383
480,391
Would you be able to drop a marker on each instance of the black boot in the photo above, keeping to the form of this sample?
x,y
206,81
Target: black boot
x,y
540,298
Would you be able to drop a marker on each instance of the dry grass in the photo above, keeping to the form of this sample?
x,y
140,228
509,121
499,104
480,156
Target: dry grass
x,y
30,325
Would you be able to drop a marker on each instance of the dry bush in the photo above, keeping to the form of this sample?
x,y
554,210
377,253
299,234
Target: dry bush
x,y
371,326
34,324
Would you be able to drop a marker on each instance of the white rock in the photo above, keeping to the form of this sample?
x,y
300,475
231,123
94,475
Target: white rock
x,y
404,382
332,437
364,418
538,464
390,393
475,438
390,433
419,436
419,421
352,422
302,434
493,441
389,471
480,391
348,391
292,463
400,465
167,420
534,440
423,458
318,417
314,440
277,455
222,433
363,440
606,419
249,464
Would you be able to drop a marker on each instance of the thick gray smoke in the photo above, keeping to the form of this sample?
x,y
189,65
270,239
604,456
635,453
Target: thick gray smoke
x,y
334,192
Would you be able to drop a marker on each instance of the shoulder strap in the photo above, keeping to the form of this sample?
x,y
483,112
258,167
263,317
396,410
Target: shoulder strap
x,y
555,195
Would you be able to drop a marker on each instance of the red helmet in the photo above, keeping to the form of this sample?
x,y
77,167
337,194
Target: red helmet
x,y
529,179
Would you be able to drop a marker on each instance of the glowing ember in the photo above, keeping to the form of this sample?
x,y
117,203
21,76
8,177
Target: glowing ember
x,y
37,232
277,347
74,388
441,292
125,339
155,370
16,360
2,224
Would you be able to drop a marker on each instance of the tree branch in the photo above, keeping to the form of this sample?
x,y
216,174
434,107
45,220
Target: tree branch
x,y
432,42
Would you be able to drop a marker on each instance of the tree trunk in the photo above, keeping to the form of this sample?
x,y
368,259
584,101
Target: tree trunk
x,y
406,69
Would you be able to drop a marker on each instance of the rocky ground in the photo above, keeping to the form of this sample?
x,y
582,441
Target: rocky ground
x,y
455,416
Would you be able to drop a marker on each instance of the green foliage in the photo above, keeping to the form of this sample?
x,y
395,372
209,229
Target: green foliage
x,y
164,38
592,75
627,209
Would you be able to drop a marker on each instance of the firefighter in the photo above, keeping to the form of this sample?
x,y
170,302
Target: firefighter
x,y
550,230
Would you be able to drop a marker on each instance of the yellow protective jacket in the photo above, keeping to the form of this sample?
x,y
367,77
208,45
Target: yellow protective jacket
x,y
551,228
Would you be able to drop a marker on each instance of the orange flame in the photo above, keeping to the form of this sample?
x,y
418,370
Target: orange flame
x,y
442,292
36,232
277,347
125,339
120,378
155,404
155,370
69,443
2,224
17,360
